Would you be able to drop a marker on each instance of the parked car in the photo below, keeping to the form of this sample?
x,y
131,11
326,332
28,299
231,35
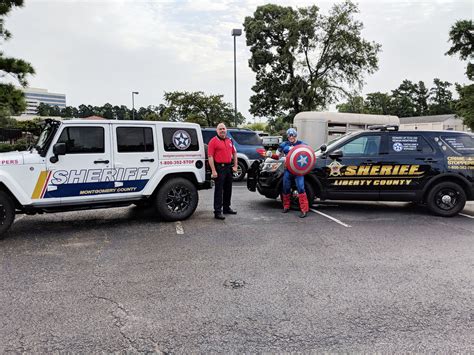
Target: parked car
x,y
435,168
247,143
81,164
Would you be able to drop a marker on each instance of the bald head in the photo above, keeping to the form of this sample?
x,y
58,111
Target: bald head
x,y
221,130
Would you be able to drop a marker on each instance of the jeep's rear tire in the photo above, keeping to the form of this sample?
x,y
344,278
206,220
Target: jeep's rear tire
x,y
7,213
177,199
241,171
446,199
295,204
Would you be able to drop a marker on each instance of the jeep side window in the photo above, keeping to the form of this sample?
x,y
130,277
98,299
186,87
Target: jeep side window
x,y
83,140
399,144
134,139
362,146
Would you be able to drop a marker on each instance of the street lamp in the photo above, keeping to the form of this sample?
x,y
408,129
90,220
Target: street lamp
x,y
235,32
133,103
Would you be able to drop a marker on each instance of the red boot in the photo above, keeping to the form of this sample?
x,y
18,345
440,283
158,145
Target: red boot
x,y
304,205
285,198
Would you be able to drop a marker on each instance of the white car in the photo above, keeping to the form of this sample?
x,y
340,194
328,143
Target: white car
x,y
84,164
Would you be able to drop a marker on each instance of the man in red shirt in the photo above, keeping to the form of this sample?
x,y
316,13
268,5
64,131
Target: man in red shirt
x,y
223,162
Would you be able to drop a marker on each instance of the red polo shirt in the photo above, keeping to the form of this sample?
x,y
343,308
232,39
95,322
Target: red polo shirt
x,y
221,150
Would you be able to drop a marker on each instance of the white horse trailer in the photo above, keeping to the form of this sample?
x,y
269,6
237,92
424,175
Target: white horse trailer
x,y
317,128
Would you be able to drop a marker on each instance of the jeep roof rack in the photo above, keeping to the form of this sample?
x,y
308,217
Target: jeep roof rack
x,y
386,127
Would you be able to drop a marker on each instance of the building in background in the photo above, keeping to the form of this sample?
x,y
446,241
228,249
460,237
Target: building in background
x,y
449,122
34,97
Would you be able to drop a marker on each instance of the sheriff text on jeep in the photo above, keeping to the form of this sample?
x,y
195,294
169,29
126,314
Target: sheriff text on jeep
x,y
83,164
435,168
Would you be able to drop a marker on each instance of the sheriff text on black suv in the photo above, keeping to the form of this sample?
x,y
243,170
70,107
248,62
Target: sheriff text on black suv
x,y
435,168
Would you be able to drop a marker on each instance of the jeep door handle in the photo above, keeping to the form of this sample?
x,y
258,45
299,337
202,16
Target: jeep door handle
x,y
148,160
101,162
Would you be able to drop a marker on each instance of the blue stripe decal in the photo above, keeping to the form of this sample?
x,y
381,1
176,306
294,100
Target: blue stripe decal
x,y
96,188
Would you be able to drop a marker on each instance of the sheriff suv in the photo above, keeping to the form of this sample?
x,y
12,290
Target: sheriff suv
x,y
83,164
435,168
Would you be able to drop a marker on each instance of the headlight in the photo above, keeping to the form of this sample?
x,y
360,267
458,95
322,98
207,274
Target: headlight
x,y
271,165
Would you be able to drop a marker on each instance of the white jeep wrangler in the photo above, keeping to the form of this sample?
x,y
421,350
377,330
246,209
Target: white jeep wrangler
x,y
84,164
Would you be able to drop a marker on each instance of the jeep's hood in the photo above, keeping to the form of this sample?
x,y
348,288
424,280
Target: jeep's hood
x,y
19,158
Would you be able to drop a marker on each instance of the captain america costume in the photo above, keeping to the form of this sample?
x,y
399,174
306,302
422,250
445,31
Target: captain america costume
x,y
285,148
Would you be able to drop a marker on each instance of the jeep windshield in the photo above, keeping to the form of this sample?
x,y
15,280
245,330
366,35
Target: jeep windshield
x,y
47,134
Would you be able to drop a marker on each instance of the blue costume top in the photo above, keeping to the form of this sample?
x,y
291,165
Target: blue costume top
x,y
287,145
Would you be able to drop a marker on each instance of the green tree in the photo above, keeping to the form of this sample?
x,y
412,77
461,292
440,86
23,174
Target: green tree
x,y
465,105
403,102
462,38
441,98
206,110
12,100
377,103
355,104
304,60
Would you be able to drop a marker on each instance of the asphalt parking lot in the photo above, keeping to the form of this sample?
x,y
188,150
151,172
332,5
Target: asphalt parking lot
x,y
365,277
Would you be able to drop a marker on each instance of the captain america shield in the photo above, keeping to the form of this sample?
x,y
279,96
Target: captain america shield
x,y
300,160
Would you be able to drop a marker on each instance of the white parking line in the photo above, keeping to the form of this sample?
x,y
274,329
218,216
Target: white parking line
x,y
331,218
466,215
179,228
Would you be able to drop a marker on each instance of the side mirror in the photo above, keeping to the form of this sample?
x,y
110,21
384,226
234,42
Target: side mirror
x,y
323,148
336,154
58,149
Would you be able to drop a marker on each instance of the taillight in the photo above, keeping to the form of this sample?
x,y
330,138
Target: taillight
x,y
261,152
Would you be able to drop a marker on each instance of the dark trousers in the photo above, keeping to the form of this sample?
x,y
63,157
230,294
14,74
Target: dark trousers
x,y
223,188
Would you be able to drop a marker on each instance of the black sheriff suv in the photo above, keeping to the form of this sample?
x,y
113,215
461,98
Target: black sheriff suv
x,y
435,168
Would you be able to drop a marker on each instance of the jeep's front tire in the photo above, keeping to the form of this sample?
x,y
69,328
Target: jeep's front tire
x,y
7,213
446,199
176,200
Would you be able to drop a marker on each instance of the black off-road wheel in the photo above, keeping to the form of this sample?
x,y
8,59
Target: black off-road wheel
x,y
7,213
177,199
446,199
295,203
241,171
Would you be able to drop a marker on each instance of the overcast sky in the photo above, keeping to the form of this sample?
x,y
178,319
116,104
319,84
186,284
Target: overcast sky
x,y
99,51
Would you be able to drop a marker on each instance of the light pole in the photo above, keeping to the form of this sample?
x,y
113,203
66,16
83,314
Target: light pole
x,y
133,103
235,32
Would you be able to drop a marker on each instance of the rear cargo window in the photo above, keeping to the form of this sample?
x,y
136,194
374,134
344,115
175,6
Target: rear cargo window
x,y
462,143
246,138
180,139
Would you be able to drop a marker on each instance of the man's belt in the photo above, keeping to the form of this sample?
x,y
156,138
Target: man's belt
x,y
223,164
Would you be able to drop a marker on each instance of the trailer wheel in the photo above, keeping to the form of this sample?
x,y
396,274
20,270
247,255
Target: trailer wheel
x,y
7,213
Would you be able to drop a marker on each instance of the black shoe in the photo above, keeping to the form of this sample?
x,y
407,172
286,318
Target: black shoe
x,y
219,216
285,210
302,215
230,211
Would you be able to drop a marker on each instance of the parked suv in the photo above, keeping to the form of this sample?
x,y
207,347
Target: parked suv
x,y
435,168
247,143
81,164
